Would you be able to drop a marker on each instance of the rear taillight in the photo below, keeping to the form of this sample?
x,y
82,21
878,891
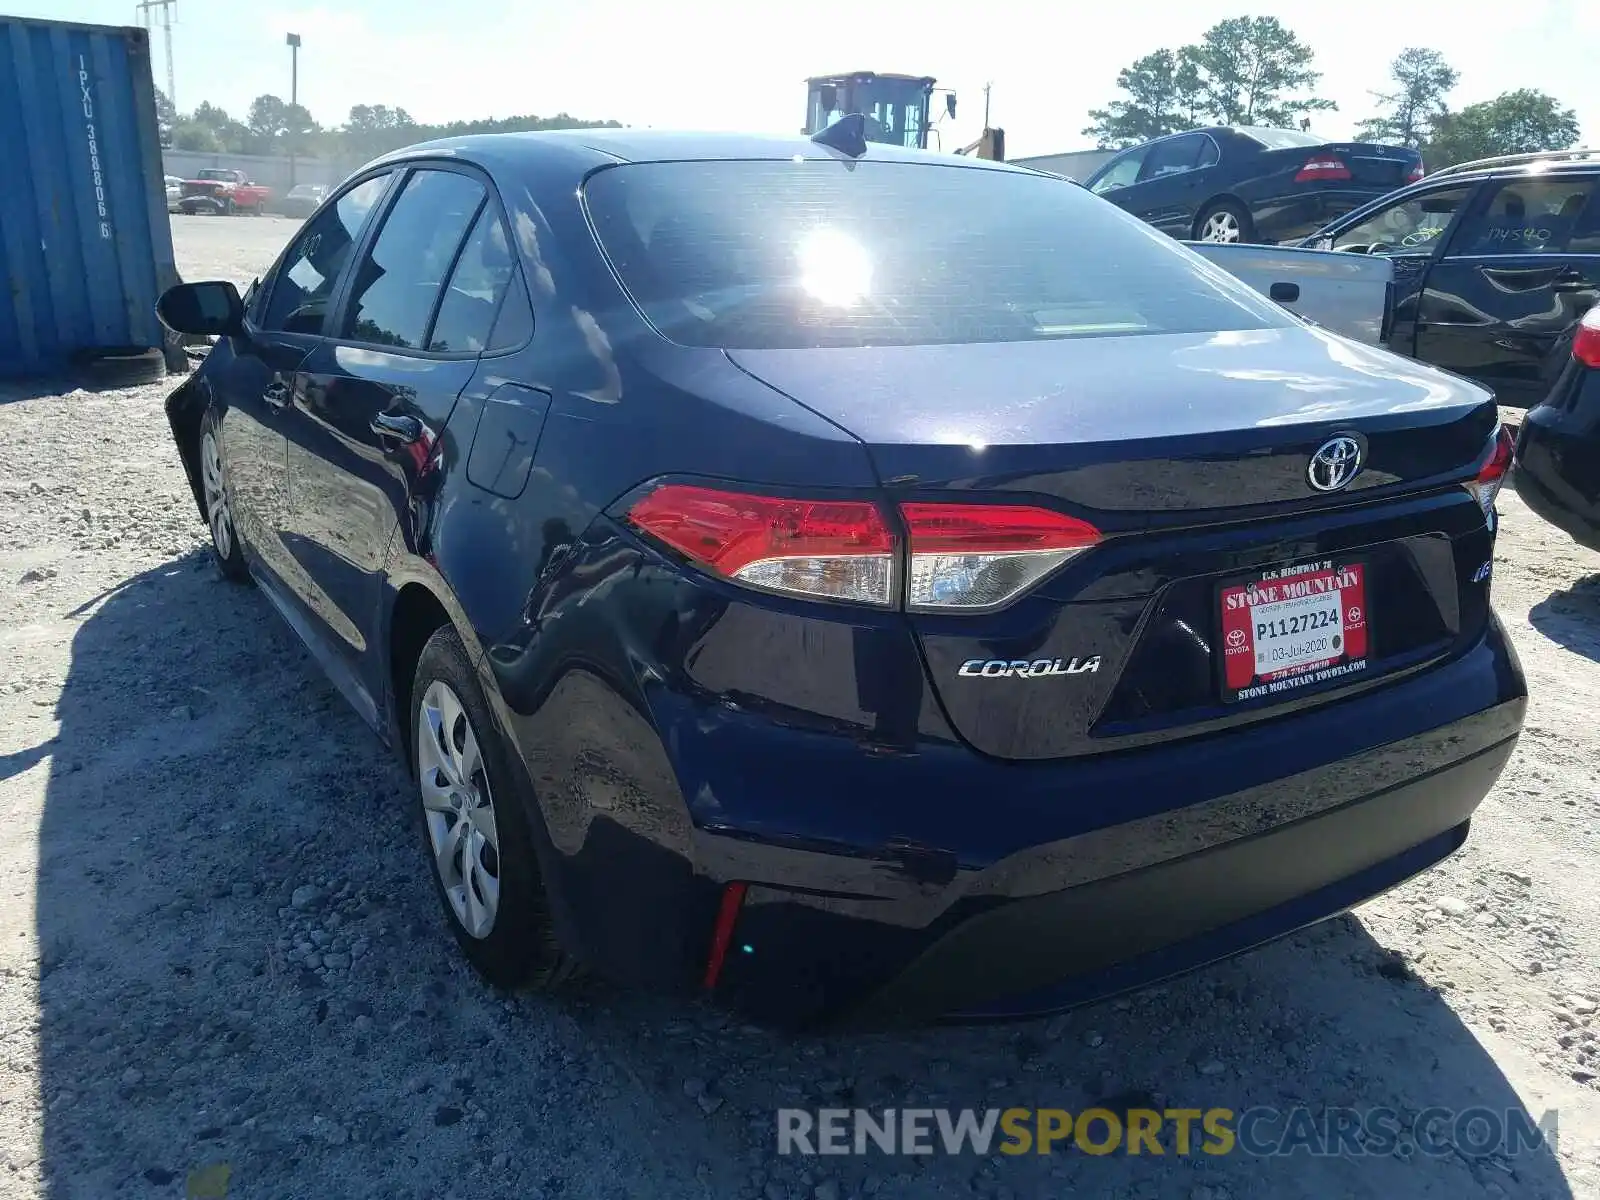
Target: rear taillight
x,y
825,549
1322,167
958,557
1586,341
1416,173
973,556
1493,472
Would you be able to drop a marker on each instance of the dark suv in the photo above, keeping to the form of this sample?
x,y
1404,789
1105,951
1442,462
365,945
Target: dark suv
x,y
1495,261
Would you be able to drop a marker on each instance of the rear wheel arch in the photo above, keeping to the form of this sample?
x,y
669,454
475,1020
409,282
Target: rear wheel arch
x,y
416,615
1220,200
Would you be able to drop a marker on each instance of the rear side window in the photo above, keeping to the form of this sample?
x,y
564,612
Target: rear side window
x,y
1172,157
1278,139
1526,216
515,324
398,282
304,284
477,286
785,254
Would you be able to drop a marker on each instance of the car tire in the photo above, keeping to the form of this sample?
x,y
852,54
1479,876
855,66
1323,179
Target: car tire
x,y
472,808
1225,221
102,372
226,549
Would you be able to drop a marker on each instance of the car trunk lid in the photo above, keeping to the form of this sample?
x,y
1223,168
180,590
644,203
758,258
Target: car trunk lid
x,y
1103,424
1373,165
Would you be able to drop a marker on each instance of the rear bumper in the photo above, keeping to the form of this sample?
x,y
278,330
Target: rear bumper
x,y
1038,955
923,930
1556,471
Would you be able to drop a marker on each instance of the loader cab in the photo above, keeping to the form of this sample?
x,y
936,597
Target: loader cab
x,y
896,106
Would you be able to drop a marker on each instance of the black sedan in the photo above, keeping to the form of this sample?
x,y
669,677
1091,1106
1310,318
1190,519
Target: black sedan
x,y
1248,183
836,577
1558,446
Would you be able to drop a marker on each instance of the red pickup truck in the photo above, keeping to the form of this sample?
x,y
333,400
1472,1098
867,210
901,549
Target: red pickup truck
x,y
222,191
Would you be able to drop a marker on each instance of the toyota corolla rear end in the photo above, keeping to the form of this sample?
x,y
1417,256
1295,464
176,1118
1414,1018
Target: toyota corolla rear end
x,y
1159,626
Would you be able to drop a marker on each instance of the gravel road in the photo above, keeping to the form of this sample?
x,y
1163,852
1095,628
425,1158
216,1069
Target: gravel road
x,y
222,970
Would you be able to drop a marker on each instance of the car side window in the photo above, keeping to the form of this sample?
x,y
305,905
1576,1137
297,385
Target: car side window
x,y
303,286
1120,172
397,283
1171,157
1413,226
1525,216
515,323
1585,237
478,284
1210,154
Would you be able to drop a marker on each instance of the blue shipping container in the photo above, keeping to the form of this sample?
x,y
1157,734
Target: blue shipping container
x,y
85,243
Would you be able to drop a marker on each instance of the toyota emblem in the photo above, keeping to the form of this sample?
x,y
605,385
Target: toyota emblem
x,y
1336,462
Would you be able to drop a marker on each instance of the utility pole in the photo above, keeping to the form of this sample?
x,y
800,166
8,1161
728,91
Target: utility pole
x,y
293,41
147,18
986,88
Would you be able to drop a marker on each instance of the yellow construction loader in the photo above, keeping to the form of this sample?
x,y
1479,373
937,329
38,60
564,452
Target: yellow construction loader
x,y
896,110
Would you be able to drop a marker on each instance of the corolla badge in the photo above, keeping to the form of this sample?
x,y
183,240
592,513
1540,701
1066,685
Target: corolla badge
x,y
1336,462
1022,668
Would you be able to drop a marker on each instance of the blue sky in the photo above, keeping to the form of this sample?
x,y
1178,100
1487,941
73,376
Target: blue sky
x,y
740,64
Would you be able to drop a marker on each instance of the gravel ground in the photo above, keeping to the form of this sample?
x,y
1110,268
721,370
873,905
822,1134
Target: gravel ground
x,y
219,956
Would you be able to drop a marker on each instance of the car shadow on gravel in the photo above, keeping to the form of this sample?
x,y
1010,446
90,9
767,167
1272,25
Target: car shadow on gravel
x,y
1571,617
246,989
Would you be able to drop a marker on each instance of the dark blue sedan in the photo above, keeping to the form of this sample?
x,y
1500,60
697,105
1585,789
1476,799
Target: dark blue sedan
x,y
850,580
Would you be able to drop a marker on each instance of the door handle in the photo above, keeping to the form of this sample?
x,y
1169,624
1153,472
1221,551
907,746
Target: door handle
x,y
277,393
396,427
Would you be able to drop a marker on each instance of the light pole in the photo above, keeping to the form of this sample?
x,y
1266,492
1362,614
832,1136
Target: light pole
x,y
293,41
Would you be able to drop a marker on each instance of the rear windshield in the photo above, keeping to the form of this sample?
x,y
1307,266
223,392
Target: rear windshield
x,y
794,254
1280,139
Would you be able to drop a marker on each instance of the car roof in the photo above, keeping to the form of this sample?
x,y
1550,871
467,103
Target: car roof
x,y
1521,166
584,149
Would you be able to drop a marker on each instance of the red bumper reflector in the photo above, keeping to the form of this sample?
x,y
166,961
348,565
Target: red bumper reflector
x,y
722,931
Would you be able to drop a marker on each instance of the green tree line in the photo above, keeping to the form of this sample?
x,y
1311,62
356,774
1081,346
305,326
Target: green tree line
x,y
274,126
1256,71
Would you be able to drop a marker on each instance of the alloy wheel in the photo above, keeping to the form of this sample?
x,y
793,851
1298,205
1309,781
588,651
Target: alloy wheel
x,y
459,809
1220,227
216,493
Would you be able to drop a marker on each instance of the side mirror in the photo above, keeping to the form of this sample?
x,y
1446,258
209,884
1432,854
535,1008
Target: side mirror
x,y
950,104
212,308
